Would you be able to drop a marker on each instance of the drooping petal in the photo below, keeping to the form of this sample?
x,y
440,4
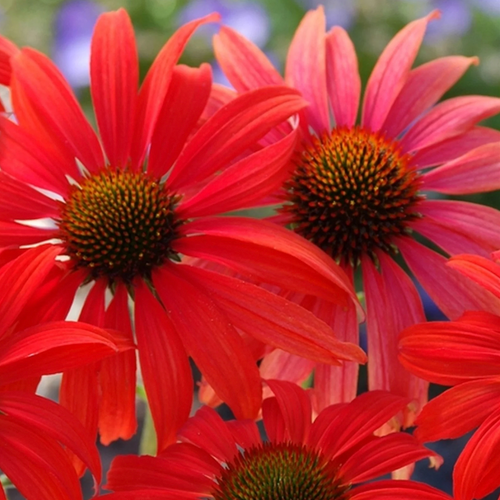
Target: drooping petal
x,y
176,121
424,87
211,340
53,420
267,253
452,292
397,490
231,131
458,410
114,77
164,364
382,455
449,118
479,269
281,365
155,87
475,172
274,320
117,377
306,67
56,107
476,471
342,77
468,221
243,63
295,408
392,304
391,72
455,146
244,183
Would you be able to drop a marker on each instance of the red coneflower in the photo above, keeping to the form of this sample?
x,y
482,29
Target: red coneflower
x,y
301,459
125,209
466,355
33,428
357,191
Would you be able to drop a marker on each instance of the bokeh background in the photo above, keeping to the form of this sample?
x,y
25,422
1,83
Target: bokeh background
x,y
62,30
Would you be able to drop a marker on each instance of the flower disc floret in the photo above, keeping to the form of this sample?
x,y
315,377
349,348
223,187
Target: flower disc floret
x,y
119,224
352,192
279,471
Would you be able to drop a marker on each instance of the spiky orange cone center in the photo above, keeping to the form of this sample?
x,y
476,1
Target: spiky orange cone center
x,y
352,192
119,224
282,471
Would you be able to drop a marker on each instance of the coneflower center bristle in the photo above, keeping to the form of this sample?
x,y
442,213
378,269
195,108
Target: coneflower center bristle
x,y
282,471
119,224
352,192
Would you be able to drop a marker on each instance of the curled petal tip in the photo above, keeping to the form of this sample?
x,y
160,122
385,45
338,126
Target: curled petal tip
x,y
435,14
474,60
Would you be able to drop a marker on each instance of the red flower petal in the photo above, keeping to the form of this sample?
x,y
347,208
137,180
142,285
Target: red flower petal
x,y
397,490
114,76
7,50
164,364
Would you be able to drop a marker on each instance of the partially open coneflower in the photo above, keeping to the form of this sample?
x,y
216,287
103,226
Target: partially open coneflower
x,y
123,209
332,458
466,355
358,188
36,433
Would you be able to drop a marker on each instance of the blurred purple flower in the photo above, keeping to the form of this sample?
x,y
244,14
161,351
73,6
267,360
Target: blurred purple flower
x,y
248,18
74,25
456,18
488,6
337,12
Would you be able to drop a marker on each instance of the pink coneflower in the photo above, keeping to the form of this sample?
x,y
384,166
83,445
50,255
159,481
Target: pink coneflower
x,y
358,188
336,457
126,208
466,355
32,428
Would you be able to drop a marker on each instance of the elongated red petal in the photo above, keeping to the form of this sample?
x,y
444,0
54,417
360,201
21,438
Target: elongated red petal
x,y
164,364
245,183
476,471
397,490
306,67
56,107
458,410
155,87
391,72
114,76
7,50
268,254
231,131
274,320
50,419
451,352
176,121
211,340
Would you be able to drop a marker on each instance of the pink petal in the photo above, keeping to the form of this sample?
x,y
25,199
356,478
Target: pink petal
x,y
477,171
455,146
306,68
114,75
424,87
164,364
155,87
211,340
392,304
476,471
452,292
448,119
391,72
477,223
56,107
229,132
245,182
176,121
343,81
243,63
281,365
